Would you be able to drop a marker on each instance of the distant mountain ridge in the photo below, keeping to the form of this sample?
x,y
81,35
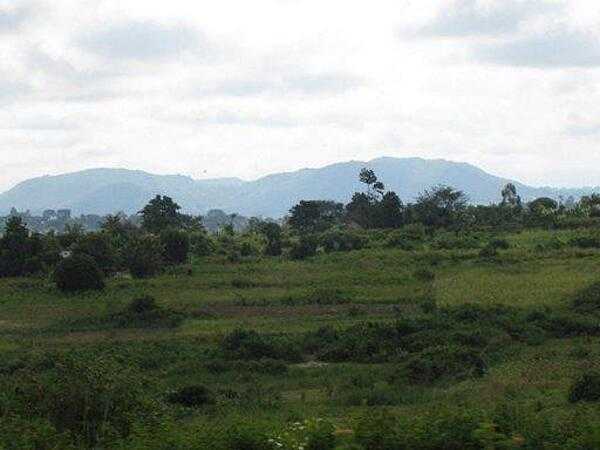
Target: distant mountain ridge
x,y
103,191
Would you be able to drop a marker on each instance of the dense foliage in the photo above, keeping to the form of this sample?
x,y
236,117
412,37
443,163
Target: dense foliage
x,y
78,273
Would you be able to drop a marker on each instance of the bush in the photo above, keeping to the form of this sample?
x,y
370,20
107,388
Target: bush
x,y
488,252
99,247
176,246
142,305
243,344
247,437
144,312
143,256
376,430
326,296
465,241
341,241
201,244
94,400
585,242
588,299
445,361
266,366
243,283
399,239
499,244
424,275
191,396
78,273
251,246
316,434
586,388
304,247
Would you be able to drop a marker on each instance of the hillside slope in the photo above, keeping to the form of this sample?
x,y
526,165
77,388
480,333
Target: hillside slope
x,y
101,191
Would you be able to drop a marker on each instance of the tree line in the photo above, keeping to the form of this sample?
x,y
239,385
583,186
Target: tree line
x,y
162,236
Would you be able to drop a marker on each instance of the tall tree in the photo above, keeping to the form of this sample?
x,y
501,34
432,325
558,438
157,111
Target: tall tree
x,y
390,211
375,188
441,206
315,215
160,213
510,196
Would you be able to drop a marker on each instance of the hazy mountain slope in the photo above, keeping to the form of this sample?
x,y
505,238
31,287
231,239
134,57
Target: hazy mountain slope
x,y
102,191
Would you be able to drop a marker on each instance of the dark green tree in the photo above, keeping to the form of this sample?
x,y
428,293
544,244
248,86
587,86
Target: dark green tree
x,y
161,213
510,196
19,254
390,211
360,210
99,246
77,273
176,246
272,233
143,255
315,215
442,206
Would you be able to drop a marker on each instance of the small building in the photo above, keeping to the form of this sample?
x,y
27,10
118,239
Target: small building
x,y
63,214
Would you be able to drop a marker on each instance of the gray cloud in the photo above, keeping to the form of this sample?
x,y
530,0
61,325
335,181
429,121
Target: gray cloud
x,y
465,18
583,130
12,18
12,90
229,118
289,83
556,49
142,41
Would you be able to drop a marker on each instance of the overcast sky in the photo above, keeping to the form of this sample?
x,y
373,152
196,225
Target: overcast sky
x,y
246,88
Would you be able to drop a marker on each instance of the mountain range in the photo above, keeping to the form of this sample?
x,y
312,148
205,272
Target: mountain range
x,y
103,191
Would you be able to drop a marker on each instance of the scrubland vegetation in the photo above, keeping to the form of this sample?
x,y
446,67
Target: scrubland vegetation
x,y
374,325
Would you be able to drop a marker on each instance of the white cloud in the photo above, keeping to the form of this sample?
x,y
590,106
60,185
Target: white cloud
x,y
553,49
142,41
248,88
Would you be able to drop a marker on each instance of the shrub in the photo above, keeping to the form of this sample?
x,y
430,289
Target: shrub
x,y
142,305
304,247
424,275
445,361
95,400
488,252
144,312
315,434
243,283
446,242
191,396
247,437
326,296
588,299
99,247
499,244
399,239
176,246
341,241
266,366
585,242
201,244
143,256
243,344
77,273
250,245
586,388
376,430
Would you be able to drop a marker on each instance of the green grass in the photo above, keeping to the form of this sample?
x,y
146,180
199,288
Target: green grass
x,y
274,296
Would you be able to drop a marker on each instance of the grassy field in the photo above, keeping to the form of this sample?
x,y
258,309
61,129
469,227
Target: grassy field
x,y
292,299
